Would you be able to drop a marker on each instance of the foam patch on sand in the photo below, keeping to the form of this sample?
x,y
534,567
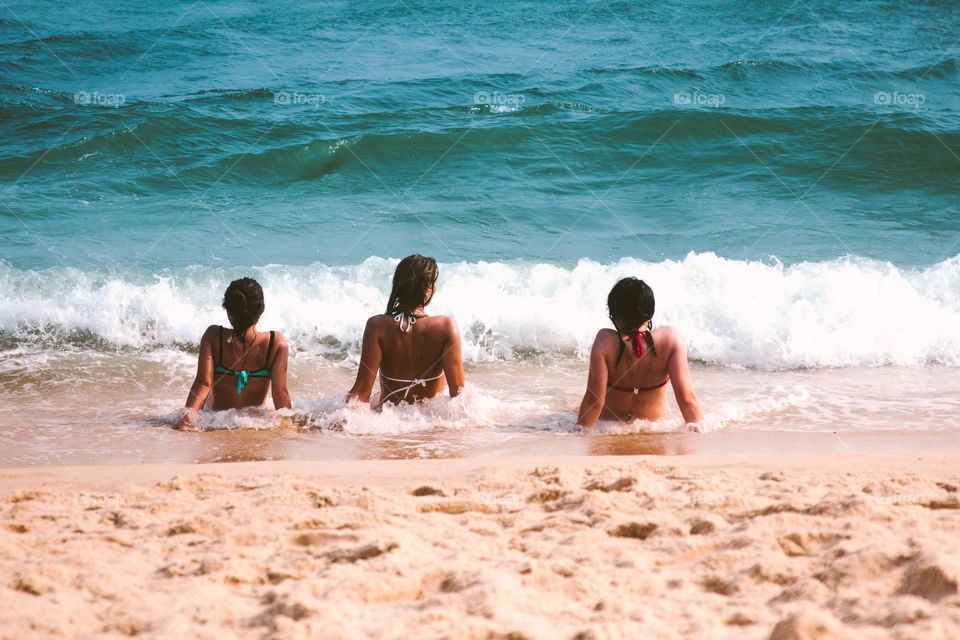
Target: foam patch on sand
x,y
600,551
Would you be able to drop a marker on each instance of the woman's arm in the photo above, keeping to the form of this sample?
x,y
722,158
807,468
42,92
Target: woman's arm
x,y
596,394
201,383
679,370
453,360
370,357
278,374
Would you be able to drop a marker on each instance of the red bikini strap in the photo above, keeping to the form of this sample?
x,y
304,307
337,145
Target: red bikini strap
x,y
639,341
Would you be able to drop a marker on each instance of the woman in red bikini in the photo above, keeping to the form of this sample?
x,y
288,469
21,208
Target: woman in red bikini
x,y
631,366
421,353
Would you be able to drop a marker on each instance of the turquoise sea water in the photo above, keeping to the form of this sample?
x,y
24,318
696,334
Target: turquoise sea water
x,y
786,175
240,134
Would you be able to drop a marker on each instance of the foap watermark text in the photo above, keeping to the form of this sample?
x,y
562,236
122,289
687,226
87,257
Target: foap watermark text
x,y
297,98
697,98
98,99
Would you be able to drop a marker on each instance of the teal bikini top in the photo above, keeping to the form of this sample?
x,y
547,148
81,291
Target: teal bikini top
x,y
244,376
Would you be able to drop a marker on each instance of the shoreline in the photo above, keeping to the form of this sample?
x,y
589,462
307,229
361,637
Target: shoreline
x,y
394,473
273,446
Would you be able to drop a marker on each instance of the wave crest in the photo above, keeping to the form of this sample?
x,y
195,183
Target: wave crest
x,y
847,312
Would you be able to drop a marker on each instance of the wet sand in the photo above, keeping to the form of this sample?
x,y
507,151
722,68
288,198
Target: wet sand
x,y
248,445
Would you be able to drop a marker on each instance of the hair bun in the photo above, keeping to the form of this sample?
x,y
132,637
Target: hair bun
x,y
243,300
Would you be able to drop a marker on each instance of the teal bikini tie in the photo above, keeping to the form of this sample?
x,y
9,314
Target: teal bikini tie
x,y
242,377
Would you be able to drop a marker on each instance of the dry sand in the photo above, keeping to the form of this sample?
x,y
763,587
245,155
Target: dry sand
x,y
780,547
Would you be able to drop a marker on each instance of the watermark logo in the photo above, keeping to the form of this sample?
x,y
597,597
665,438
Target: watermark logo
x,y
498,99
297,98
698,98
98,99
897,99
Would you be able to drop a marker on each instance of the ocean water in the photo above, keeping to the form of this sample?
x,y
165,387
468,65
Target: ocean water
x,y
785,175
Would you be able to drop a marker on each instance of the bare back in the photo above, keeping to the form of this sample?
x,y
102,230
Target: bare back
x,y
635,386
222,360
415,360
231,354
626,387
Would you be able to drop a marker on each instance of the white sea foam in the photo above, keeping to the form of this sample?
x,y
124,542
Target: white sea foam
x,y
476,408
848,312
471,409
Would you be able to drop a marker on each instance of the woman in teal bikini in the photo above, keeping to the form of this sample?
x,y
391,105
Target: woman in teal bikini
x,y
418,351
631,365
239,366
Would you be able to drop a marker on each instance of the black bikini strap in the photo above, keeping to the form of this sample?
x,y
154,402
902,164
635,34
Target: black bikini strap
x,y
220,358
266,363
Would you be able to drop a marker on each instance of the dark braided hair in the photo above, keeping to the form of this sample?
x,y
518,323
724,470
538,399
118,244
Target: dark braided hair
x,y
243,300
631,305
413,280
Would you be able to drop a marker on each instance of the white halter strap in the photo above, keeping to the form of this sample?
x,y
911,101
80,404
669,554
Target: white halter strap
x,y
404,320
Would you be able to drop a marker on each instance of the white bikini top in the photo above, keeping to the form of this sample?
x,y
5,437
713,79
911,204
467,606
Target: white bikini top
x,y
404,321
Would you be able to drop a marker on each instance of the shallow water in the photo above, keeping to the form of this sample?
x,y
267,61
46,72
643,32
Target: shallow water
x,y
516,409
784,175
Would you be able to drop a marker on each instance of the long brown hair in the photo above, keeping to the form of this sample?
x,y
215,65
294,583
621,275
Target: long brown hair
x,y
413,284
631,303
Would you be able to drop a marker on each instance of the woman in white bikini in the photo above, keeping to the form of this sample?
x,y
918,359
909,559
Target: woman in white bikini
x,y
629,383
412,352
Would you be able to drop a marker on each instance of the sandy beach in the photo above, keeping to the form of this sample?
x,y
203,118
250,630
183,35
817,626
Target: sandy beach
x,y
832,545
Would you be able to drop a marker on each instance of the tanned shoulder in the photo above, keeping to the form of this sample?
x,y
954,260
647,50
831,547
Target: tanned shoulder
x,y
668,337
279,340
607,342
377,322
607,337
449,325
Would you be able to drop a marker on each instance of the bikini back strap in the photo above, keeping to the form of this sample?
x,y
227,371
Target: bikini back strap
x,y
266,362
406,390
637,390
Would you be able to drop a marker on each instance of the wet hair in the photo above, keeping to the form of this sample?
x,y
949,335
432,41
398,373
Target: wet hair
x,y
243,300
413,284
631,305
